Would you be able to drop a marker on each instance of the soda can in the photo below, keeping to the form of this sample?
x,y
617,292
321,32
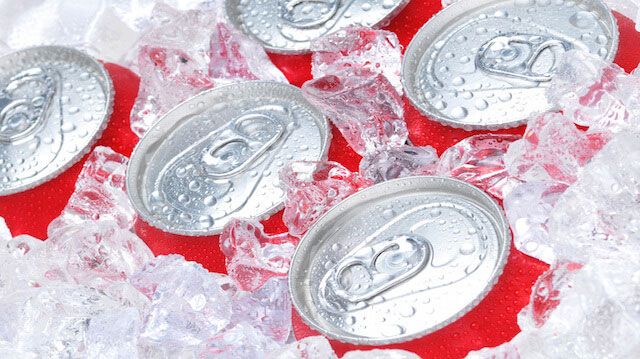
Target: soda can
x,y
486,64
55,103
399,260
289,26
217,156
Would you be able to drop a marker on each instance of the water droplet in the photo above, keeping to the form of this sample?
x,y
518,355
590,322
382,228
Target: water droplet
x,y
505,96
73,110
407,311
440,105
467,248
481,104
336,247
210,201
603,52
459,113
388,213
392,330
458,81
194,185
67,127
435,212
365,6
205,221
602,40
388,4
350,320
583,19
481,30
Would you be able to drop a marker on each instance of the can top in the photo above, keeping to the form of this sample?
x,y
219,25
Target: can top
x,y
217,156
486,64
54,104
399,260
289,26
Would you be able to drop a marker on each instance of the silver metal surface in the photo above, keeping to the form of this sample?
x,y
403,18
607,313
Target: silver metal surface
x,y
217,156
399,260
288,26
54,104
485,64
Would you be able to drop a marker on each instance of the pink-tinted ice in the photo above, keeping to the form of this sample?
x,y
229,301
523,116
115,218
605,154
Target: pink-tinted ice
x,y
395,162
552,149
252,256
364,106
479,160
596,94
99,193
348,50
186,52
312,188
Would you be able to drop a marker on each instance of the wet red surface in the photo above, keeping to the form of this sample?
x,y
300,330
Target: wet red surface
x,y
491,323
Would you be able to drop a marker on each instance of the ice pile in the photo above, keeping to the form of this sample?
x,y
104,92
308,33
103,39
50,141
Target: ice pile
x,y
106,29
312,188
357,86
608,98
554,152
186,52
578,209
94,289
478,160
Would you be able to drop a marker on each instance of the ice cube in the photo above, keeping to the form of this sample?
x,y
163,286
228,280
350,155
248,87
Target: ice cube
x,y
312,188
552,149
347,50
363,105
395,162
480,161
241,341
252,257
528,208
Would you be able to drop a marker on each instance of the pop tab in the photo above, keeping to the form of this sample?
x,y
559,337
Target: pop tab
x,y
399,260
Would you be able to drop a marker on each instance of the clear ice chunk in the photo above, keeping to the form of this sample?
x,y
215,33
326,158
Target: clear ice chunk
x,y
346,51
99,253
600,211
317,347
528,207
552,149
480,161
585,310
65,320
241,341
189,305
268,309
395,162
363,105
312,188
99,193
596,94
252,257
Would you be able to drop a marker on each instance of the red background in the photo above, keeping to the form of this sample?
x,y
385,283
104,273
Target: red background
x,y
491,323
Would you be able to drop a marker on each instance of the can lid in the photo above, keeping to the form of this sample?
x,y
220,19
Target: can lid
x,y
289,26
486,64
54,104
217,156
399,260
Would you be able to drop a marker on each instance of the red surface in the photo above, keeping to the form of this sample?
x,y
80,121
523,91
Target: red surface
x,y
491,323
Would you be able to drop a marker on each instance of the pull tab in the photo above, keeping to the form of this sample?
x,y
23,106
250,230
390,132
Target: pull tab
x,y
374,269
521,56
23,104
305,14
236,153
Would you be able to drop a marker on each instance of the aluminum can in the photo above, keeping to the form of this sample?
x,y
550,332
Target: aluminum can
x,y
486,64
55,103
217,156
399,260
289,26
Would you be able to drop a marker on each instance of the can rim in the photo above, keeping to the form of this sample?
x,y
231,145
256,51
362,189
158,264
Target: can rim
x,y
109,107
136,158
441,21
503,231
307,48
